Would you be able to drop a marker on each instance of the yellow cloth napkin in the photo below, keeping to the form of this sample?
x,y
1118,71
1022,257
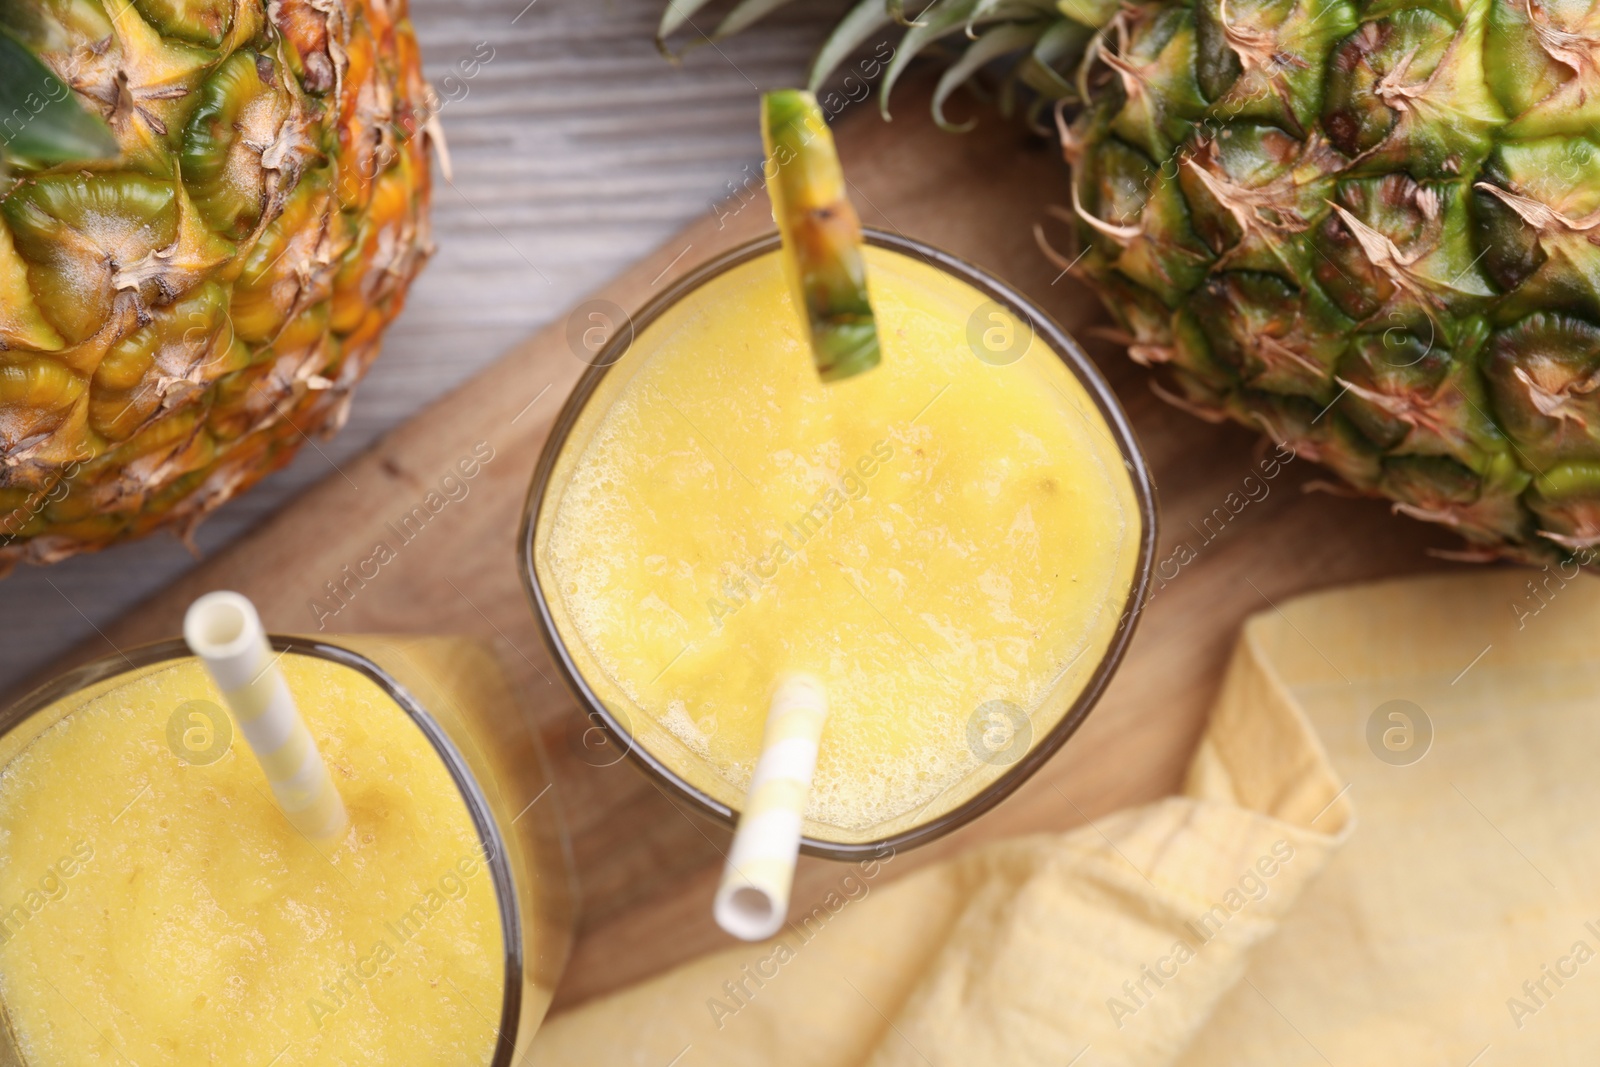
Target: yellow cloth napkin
x,y
1253,919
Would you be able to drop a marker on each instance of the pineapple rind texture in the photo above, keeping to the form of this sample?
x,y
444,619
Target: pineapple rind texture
x,y
175,322
1366,231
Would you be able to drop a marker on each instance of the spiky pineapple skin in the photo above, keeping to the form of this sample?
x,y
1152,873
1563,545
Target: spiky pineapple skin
x,y
1371,231
176,321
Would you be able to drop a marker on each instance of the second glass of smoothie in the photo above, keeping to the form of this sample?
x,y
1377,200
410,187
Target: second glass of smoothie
x,y
156,906
956,542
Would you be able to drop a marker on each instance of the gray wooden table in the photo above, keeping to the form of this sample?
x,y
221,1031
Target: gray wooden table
x,y
576,149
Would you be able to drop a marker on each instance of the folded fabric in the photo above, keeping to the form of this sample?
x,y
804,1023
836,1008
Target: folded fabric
x,y
1250,920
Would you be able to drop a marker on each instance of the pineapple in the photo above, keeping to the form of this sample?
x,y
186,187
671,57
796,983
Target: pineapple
x,y
209,211
821,235
1366,229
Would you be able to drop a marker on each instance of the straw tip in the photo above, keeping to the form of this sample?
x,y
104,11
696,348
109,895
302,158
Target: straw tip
x,y
799,686
332,826
221,624
748,912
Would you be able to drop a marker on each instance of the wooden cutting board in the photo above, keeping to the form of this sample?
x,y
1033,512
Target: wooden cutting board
x,y
647,868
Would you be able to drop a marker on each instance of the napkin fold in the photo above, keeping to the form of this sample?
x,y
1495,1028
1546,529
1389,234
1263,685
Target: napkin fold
x,y
1251,919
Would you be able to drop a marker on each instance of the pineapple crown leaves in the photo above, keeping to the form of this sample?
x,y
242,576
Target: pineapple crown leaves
x,y
1042,43
42,122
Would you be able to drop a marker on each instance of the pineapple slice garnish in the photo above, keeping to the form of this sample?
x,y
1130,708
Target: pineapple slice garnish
x,y
821,234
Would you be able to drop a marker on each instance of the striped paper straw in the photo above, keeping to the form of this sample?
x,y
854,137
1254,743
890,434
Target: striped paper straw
x,y
224,630
753,899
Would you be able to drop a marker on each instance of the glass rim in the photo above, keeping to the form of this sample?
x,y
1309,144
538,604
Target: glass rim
x,y
1078,364
135,659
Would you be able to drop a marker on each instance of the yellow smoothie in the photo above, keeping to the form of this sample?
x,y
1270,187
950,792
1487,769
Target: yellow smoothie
x,y
933,535
155,910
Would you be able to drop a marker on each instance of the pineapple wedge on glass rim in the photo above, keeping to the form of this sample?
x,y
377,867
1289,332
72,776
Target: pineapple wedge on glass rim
x,y
821,234
182,307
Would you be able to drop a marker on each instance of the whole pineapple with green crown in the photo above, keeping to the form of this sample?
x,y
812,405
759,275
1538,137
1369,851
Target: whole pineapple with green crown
x,y
1370,230
209,210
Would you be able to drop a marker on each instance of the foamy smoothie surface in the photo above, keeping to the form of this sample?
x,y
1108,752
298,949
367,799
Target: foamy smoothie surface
x,y
932,535
158,911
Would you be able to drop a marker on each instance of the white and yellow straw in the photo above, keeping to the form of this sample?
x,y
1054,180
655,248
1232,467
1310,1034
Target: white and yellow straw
x,y
224,630
753,899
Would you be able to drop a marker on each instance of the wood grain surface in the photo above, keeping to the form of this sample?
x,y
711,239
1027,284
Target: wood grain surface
x,y
648,868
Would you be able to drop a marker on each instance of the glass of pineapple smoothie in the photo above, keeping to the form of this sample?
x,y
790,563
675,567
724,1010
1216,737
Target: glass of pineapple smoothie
x,y
156,906
956,542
